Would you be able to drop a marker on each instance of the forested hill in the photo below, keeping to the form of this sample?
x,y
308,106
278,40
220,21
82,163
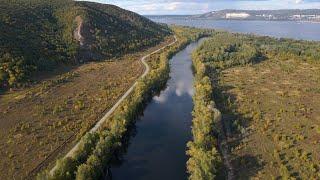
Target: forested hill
x,y
37,35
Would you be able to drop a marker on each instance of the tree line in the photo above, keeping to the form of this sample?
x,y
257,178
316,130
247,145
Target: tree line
x,y
96,149
221,51
204,158
226,50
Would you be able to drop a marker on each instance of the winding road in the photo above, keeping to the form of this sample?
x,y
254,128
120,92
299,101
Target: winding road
x,y
116,105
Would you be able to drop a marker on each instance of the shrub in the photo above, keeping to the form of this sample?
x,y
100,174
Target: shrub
x,y
204,160
97,162
86,146
96,149
85,172
65,169
203,164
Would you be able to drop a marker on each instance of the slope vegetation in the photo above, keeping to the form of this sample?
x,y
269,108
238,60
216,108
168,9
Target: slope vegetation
x,y
97,149
40,35
268,92
41,121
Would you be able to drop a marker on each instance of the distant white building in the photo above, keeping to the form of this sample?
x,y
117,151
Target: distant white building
x,y
305,17
237,15
308,16
269,16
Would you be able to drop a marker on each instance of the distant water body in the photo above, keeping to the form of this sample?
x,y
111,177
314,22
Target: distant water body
x,y
278,29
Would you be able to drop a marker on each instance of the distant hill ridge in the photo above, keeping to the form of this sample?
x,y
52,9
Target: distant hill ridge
x,y
280,15
38,35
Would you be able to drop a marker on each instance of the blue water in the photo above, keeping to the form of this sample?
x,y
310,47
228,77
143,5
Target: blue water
x,y
279,29
157,150
158,145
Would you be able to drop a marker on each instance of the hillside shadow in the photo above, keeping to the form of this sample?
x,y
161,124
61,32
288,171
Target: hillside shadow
x,y
118,158
248,165
233,131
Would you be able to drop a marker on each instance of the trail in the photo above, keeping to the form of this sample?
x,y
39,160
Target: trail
x,y
226,159
224,148
77,34
123,97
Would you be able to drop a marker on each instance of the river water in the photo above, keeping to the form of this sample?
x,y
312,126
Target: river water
x,y
158,148
278,29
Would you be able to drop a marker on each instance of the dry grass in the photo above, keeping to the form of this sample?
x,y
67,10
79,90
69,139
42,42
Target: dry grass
x,y
37,120
277,104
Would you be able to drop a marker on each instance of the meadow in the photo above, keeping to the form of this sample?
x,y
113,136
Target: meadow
x,y
267,91
41,122
275,119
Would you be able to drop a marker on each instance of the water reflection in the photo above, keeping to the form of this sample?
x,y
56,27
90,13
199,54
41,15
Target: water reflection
x,y
157,151
162,98
183,87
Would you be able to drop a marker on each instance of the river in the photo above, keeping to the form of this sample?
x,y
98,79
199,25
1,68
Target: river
x,y
157,146
278,29
157,149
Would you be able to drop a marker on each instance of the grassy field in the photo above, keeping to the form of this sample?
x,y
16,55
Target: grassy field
x,y
97,150
57,111
267,90
274,108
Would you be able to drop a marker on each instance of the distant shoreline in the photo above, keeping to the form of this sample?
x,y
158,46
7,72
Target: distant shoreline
x,y
314,22
297,30
187,17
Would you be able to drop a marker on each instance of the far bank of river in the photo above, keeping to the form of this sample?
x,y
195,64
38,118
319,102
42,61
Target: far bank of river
x,y
278,29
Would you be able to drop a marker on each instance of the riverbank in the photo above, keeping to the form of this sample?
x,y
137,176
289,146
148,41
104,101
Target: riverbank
x,y
205,160
268,95
277,29
156,147
88,159
59,110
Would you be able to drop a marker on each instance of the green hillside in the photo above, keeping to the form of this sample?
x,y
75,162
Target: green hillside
x,y
37,35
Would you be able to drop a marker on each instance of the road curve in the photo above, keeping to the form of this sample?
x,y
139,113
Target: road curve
x,y
123,97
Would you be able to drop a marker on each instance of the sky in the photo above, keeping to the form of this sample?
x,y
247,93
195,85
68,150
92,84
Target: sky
x,y
178,7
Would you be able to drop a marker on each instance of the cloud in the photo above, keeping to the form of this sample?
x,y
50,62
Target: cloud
x,y
148,7
176,6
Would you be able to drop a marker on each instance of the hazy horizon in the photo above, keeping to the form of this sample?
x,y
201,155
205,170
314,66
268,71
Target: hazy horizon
x,y
224,10
192,7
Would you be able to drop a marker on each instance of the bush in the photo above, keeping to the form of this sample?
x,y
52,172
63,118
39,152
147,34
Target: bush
x,y
203,164
86,146
65,170
67,167
97,149
97,162
85,172
204,160
12,70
